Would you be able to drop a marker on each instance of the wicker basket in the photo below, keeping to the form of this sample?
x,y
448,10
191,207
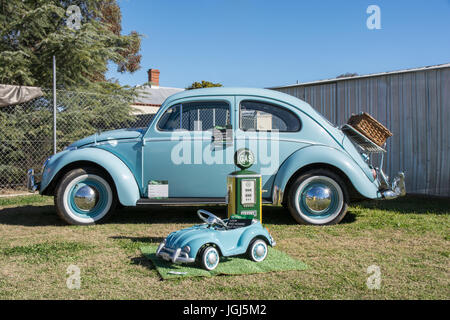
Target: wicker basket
x,y
370,128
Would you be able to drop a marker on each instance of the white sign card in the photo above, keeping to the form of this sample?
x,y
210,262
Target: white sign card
x,y
248,191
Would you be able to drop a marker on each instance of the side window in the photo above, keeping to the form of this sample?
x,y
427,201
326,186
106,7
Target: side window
x,y
170,120
262,116
196,116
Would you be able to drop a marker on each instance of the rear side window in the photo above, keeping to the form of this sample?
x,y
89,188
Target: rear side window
x,y
262,116
196,116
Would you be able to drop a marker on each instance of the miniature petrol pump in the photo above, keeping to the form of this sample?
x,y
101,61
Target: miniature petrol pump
x,y
244,188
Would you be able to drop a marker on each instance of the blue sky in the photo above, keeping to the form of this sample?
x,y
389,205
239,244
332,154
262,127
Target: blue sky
x,y
264,43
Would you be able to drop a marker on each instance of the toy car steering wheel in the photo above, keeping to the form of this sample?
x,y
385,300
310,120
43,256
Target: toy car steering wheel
x,y
211,219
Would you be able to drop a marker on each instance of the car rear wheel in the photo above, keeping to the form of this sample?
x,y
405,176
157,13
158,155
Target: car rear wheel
x,y
257,251
85,196
210,258
318,197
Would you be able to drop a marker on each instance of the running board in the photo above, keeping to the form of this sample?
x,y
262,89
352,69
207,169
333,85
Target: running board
x,y
180,201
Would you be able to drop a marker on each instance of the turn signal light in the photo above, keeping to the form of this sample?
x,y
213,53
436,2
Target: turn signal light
x,y
374,173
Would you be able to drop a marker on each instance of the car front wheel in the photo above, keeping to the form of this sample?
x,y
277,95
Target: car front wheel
x,y
210,258
318,197
85,196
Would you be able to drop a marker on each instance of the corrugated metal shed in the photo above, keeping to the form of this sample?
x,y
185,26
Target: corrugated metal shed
x,y
414,104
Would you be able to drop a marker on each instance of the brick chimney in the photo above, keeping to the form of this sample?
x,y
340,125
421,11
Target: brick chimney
x,y
153,77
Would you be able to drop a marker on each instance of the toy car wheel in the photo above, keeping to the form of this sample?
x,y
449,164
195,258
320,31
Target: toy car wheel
x,y
85,196
210,258
318,197
257,250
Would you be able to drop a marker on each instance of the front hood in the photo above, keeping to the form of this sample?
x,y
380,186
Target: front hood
x,y
119,134
178,238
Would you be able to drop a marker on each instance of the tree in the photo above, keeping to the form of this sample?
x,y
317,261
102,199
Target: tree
x,y
203,84
32,31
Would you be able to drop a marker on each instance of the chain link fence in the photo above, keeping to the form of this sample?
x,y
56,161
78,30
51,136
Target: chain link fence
x,y
26,129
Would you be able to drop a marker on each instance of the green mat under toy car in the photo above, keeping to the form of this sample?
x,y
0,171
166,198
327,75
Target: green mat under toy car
x,y
275,261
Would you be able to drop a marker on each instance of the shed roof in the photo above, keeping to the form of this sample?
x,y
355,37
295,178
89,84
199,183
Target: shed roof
x,y
438,66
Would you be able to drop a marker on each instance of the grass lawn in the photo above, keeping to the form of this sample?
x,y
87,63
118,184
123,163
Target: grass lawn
x,y
408,239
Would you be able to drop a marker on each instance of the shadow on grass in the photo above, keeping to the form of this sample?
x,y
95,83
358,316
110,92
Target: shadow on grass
x,y
47,216
188,214
350,217
30,216
143,261
410,205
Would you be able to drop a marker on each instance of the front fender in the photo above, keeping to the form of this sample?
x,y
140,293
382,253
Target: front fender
x,y
327,155
124,180
199,242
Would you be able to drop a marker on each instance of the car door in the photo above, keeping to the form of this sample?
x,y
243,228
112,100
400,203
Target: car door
x,y
271,130
190,145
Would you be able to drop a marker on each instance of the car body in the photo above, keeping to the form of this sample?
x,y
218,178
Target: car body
x,y
184,145
187,245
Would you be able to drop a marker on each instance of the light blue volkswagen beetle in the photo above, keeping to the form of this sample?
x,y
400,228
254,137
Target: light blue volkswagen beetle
x,y
206,243
309,166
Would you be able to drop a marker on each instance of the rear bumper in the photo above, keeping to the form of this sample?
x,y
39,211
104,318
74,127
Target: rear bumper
x,y
173,255
395,189
32,185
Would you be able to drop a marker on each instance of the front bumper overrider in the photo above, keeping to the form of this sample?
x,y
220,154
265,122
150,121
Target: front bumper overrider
x,y
32,185
175,255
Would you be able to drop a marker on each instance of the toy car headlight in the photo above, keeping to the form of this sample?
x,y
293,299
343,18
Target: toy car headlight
x,y
187,249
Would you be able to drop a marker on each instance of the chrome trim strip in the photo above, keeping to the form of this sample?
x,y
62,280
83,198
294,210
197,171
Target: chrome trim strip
x,y
245,176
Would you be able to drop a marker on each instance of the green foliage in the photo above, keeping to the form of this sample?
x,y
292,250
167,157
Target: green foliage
x,y
203,84
32,32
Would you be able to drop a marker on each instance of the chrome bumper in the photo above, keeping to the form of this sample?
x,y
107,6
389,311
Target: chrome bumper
x,y
32,186
173,255
396,189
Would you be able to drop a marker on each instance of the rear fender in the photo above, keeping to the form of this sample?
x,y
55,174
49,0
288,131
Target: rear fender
x,y
248,236
327,155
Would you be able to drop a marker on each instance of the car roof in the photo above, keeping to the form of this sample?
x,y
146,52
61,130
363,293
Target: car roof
x,y
296,103
254,92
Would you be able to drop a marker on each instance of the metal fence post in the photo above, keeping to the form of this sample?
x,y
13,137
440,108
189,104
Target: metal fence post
x,y
54,105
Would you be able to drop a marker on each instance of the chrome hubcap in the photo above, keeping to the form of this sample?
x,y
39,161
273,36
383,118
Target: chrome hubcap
x,y
318,198
86,198
212,258
260,250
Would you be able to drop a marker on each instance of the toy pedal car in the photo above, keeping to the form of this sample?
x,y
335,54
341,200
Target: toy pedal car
x,y
207,242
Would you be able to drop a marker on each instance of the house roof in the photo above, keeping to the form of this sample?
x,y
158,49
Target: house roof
x,y
154,96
